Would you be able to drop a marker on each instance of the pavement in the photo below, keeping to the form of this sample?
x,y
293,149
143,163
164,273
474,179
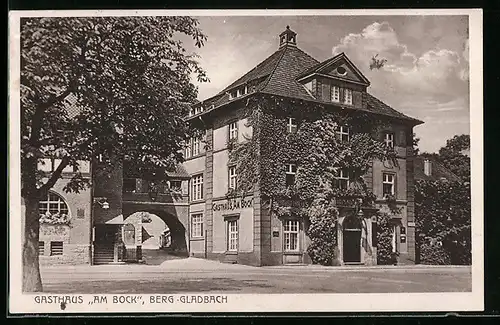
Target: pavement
x,y
200,275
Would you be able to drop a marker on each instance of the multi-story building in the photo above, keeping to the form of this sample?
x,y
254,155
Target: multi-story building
x,y
242,229
194,208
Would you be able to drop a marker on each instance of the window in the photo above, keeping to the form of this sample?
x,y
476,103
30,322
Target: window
x,y
292,125
232,235
343,133
290,172
56,248
232,177
197,187
196,146
54,204
197,225
342,179
427,167
187,150
309,86
41,248
191,112
175,184
335,94
388,184
389,139
348,96
129,185
198,110
291,235
233,130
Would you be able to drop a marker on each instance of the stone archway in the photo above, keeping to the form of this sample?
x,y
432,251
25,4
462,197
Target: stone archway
x,y
153,225
351,241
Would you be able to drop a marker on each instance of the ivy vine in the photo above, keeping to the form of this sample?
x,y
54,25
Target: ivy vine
x,y
319,153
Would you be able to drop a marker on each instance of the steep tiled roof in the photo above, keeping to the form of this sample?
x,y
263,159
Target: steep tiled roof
x,y
261,70
377,106
180,172
278,74
283,81
438,171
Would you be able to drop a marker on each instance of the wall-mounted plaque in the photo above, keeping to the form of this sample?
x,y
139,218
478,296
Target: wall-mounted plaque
x,y
276,233
80,213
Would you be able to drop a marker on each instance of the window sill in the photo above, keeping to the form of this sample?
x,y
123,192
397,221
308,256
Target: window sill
x,y
197,201
292,253
231,252
197,238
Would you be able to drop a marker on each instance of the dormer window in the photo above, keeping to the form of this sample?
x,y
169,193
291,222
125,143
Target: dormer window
x,y
341,95
238,92
191,112
348,96
335,94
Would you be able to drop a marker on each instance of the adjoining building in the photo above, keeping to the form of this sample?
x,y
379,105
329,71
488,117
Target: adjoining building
x,y
193,207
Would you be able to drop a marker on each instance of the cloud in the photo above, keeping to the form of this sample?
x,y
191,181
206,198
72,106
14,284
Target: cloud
x,y
428,86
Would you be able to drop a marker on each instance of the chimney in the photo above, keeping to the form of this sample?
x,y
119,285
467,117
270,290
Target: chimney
x,y
288,37
427,167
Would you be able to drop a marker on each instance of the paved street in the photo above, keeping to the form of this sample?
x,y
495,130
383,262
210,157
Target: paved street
x,y
197,275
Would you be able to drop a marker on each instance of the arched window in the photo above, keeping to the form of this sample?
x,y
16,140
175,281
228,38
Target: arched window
x,y
54,204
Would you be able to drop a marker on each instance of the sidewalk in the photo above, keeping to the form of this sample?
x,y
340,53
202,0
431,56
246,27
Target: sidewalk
x,y
192,264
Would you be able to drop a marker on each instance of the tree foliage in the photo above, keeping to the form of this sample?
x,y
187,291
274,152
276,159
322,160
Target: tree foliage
x,y
443,222
455,156
103,87
106,86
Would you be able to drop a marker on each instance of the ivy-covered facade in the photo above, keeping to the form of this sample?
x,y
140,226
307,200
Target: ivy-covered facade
x,y
300,164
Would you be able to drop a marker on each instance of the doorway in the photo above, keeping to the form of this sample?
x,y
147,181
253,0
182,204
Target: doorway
x,y
351,240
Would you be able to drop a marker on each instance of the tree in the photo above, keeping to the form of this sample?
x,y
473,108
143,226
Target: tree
x,y
443,222
128,79
376,63
454,156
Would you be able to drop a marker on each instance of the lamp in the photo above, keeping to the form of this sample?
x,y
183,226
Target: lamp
x,y
102,201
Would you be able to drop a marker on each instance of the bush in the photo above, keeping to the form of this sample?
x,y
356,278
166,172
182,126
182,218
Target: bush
x,y
434,254
322,231
384,241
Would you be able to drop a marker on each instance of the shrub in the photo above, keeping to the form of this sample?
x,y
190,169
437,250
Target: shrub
x,y
384,240
322,231
434,254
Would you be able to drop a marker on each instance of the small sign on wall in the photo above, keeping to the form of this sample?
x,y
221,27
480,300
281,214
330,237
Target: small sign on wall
x,y
80,213
276,233
403,239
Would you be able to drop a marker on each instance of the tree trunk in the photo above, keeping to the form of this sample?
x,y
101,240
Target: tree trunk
x,y
32,281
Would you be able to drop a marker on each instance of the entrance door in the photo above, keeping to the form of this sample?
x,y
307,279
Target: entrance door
x,y
352,240
105,234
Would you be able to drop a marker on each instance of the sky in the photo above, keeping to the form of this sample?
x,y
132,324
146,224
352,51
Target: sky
x,y
426,74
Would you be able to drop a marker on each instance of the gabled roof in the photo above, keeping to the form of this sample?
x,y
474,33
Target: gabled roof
x,y
320,67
